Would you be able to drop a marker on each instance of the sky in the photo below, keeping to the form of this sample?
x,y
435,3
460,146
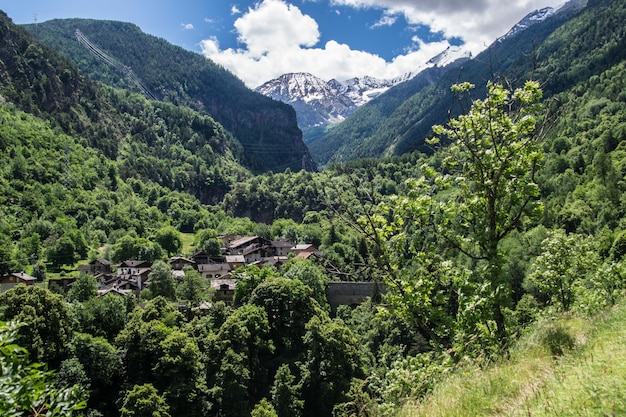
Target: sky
x,y
259,40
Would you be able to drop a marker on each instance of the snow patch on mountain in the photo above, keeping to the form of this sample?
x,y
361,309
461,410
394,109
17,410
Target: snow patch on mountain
x,y
530,19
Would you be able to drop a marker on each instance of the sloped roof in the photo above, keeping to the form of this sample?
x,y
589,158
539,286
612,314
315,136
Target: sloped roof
x,y
242,241
22,276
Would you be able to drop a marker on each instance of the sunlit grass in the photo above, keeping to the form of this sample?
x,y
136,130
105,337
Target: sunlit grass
x,y
187,239
589,380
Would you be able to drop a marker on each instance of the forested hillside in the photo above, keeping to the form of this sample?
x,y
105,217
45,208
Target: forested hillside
x,y
559,52
506,238
266,129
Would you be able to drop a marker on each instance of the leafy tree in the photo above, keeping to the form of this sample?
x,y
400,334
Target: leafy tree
x,y
333,359
238,361
289,306
311,275
285,393
63,252
193,288
8,263
248,279
102,316
263,408
26,389
564,263
84,288
144,401
169,239
493,157
48,324
103,368
178,374
162,281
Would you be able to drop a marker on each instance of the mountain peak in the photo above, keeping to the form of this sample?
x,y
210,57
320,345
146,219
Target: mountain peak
x,y
529,20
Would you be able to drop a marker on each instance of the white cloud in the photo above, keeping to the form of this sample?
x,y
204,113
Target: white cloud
x,y
477,22
186,26
277,38
234,10
386,20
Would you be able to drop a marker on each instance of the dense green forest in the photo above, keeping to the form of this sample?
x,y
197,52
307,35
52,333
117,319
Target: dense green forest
x,y
509,226
267,129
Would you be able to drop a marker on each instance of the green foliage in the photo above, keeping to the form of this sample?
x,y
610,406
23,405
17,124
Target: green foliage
x,y
285,393
557,339
102,367
169,239
565,262
248,279
332,360
102,316
193,288
263,409
238,361
144,401
161,281
26,389
83,289
289,306
48,324
412,377
311,275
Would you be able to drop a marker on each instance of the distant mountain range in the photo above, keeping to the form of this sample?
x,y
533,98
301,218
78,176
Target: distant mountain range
x,y
320,103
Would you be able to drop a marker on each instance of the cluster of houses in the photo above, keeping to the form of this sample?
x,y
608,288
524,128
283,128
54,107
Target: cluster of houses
x,y
131,276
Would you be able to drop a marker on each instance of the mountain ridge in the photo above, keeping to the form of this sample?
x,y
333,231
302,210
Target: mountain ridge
x,y
267,130
408,118
320,103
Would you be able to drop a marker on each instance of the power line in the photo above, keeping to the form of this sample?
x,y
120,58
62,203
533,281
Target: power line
x,y
109,60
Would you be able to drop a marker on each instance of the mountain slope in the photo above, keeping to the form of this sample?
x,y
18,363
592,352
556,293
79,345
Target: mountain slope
x,y
405,127
266,129
173,146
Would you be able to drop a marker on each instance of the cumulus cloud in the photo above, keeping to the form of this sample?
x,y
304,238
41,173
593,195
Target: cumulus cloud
x,y
234,10
186,26
277,38
477,22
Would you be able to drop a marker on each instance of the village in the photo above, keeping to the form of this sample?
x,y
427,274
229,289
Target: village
x,y
131,276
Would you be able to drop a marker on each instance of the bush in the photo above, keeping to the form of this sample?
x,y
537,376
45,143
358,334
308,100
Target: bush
x,y
557,339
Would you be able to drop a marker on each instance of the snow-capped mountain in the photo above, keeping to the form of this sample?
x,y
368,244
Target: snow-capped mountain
x,y
362,90
542,14
320,103
529,20
315,101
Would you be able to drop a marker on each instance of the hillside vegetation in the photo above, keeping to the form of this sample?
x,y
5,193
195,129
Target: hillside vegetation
x,y
265,128
501,249
561,366
559,52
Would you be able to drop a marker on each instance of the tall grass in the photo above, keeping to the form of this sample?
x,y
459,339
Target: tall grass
x,y
570,366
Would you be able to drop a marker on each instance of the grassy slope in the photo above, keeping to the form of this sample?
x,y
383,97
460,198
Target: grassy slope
x,y
590,380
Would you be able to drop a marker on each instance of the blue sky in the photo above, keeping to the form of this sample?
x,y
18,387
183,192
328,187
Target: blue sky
x,y
262,39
